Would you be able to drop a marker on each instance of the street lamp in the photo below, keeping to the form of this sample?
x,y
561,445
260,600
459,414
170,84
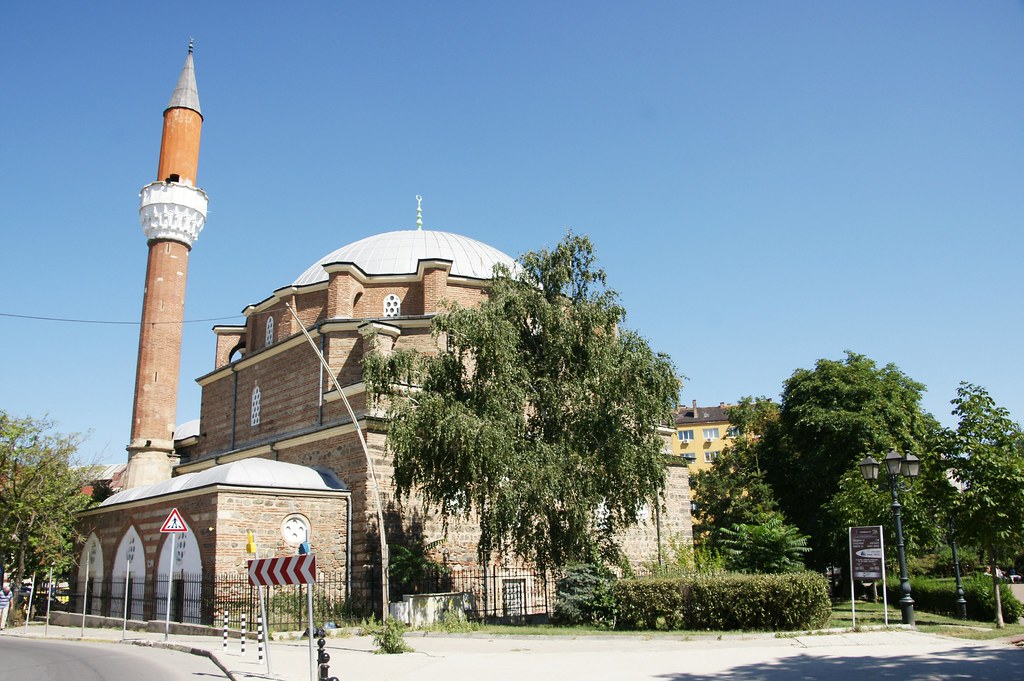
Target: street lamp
x,y
961,602
907,466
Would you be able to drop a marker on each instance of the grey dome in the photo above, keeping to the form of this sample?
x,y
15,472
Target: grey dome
x,y
400,253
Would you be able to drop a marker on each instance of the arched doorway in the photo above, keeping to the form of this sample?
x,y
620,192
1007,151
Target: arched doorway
x,y
90,575
186,579
128,576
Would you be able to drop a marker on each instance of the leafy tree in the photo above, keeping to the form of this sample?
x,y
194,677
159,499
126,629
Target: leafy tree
x,y
857,503
543,410
40,493
734,490
770,546
986,457
829,419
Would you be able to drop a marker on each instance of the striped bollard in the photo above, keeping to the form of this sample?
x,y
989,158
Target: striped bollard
x,y
225,629
243,635
259,637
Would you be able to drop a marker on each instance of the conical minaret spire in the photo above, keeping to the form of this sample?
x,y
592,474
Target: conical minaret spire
x,y
172,211
186,94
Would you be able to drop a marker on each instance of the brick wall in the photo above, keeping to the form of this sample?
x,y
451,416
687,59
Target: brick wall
x,y
219,520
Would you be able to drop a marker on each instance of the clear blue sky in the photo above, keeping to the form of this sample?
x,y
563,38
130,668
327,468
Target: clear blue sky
x,y
766,183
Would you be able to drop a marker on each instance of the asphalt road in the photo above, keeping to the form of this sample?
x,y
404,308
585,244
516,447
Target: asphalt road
x,y
35,660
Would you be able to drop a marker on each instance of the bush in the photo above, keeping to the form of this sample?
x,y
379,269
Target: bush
x,y
683,559
388,639
768,547
724,602
583,595
939,596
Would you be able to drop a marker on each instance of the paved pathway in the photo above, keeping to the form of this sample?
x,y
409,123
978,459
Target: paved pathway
x,y
875,656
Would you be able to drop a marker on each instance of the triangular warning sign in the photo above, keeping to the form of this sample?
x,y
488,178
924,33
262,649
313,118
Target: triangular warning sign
x,y
174,523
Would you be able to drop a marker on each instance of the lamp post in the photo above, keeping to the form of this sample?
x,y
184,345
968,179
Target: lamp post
x,y
961,602
907,466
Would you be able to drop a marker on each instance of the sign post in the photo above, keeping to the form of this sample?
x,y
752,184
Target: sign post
x,y
289,570
174,525
264,637
867,562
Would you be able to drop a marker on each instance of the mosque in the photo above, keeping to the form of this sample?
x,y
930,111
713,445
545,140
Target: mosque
x,y
286,449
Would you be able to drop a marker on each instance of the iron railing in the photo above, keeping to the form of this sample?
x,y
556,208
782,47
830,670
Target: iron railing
x,y
511,595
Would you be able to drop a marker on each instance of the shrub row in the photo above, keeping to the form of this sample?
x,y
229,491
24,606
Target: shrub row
x,y
939,596
783,602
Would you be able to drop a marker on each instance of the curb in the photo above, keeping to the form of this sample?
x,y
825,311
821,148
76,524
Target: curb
x,y
202,652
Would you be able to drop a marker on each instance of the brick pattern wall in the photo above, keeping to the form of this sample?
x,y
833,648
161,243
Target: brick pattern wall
x,y
263,513
226,343
219,522
435,287
342,289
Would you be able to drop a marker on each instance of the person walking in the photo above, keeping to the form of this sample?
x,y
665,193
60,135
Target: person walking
x,y
5,604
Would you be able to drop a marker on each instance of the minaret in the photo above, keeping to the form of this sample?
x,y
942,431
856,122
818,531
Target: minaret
x,y
172,211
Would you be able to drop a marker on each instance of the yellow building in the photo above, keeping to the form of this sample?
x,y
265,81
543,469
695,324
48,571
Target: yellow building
x,y
702,433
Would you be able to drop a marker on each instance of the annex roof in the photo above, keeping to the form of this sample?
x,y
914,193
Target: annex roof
x,y
244,473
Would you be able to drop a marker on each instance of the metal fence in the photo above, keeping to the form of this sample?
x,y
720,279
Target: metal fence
x,y
500,594
509,595
203,599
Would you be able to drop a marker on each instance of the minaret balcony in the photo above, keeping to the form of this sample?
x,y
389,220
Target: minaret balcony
x,y
172,210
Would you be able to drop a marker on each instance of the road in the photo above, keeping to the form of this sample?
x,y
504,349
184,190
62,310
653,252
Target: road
x,y
879,655
35,660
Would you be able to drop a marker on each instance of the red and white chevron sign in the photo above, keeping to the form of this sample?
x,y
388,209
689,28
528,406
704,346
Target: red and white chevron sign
x,y
278,571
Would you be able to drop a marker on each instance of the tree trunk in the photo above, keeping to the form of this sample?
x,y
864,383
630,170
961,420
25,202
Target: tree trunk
x,y
997,592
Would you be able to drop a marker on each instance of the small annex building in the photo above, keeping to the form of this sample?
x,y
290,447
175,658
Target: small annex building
x,y
276,451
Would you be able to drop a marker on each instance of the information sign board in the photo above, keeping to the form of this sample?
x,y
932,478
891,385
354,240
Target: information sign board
x,y
867,554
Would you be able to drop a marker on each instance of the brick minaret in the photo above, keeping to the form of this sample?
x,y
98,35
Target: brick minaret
x,y
172,211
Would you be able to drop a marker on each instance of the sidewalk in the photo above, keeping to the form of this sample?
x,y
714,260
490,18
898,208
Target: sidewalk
x,y
439,657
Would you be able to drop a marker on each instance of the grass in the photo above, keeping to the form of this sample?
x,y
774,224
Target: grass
x,y
873,615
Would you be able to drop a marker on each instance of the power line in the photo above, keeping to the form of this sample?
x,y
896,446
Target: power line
x,y
102,321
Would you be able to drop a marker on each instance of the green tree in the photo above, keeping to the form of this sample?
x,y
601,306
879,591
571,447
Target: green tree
x,y
542,415
770,546
986,457
40,493
734,490
830,418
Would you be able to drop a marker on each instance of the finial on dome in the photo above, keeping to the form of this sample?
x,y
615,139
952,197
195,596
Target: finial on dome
x,y
419,212
190,43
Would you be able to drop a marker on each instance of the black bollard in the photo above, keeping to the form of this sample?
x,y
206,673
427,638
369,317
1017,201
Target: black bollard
x,y
323,657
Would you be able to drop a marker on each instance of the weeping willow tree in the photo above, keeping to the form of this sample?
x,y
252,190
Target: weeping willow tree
x,y
539,417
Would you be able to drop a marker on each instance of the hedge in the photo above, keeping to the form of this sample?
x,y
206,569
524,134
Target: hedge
x,y
783,602
939,596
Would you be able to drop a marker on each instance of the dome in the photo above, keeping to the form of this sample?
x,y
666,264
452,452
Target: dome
x,y
400,253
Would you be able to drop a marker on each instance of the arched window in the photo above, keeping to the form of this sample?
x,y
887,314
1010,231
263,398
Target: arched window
x,y
392,306
254,419
269,339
